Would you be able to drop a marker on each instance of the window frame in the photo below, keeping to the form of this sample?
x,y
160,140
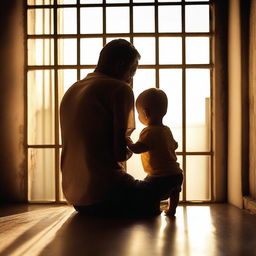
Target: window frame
x,y
78,66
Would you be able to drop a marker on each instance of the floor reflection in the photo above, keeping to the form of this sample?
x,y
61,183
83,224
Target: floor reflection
x,y
207,230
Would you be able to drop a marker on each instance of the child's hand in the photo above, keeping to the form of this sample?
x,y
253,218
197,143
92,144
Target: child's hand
x,y
128,153
129,141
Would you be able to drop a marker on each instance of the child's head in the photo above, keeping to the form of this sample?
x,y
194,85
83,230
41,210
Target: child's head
x,y
151,105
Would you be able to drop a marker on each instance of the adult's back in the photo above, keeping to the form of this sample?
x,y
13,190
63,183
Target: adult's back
x,y
95,113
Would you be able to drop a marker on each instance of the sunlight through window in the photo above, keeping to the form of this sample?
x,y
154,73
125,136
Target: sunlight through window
x,y
174,40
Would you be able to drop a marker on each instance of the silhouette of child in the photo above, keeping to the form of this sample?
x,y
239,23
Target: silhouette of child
x,y
157,148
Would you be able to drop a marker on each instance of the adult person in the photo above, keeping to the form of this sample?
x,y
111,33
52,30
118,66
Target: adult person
x,y
96,115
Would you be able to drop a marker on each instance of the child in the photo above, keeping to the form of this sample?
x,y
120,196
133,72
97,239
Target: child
x,y
157,148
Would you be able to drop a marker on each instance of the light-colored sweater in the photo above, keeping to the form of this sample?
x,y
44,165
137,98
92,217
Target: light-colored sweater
x,y
95,114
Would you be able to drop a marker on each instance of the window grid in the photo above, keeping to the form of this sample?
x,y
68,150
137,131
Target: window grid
x,y
183,34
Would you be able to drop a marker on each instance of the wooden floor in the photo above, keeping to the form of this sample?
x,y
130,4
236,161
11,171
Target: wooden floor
x,y
202,230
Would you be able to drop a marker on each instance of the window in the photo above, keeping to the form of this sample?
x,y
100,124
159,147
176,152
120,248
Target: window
x,y
64,38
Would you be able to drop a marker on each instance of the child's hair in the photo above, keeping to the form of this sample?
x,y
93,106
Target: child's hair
x,y
154,100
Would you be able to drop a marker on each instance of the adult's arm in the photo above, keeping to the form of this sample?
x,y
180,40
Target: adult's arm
x,y
123,121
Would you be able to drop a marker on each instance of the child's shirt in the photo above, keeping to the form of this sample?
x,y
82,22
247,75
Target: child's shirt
x,y
160,159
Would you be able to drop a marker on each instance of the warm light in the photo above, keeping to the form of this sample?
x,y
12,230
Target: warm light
x,y
200,230
190,87
25,225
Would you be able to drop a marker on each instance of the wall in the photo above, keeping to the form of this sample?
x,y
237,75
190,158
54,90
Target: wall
x,y
220,96
234,107
12,150
252,101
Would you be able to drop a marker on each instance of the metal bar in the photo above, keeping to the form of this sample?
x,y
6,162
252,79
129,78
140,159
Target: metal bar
x,y
157,46
183,99
104,22
56,100
25,97
199,153
178,153
131,34
104,34
44,146
82,66
211,15
117,4
78,39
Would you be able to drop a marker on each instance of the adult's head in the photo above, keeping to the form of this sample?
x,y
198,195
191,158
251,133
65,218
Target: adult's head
x,y
151,105
118,59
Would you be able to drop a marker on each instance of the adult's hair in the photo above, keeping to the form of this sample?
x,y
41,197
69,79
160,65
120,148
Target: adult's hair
x,y
116,57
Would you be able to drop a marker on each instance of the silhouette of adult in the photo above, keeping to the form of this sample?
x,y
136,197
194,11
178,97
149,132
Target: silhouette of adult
x,y
96,115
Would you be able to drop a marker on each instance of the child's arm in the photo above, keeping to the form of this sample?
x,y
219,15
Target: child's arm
x,y
137,147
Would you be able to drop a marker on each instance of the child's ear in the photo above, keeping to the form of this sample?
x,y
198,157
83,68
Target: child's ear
x,y
146,112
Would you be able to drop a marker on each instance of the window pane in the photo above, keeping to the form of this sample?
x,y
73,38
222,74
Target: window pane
x,y
85,72
61,195
198,177
109,39
144,79
66,78
143,19
197,18
171,83
41,107
198,113
91,20
180,161
143,1
146,48
133,165
67,21
90,50
170,50
196,0
67,51
117,19
39,2
40,52
91,1
41,174
66,1
193,54
116,1
40,21
166,1
169,18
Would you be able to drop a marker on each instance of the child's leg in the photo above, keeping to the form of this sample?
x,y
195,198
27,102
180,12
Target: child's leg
x,y
173,203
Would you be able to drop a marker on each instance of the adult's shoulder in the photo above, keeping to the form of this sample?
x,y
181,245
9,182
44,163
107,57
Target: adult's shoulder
x,y
122,88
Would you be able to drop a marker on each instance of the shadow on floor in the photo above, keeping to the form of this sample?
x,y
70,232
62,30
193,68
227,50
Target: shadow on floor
x,y
91,236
